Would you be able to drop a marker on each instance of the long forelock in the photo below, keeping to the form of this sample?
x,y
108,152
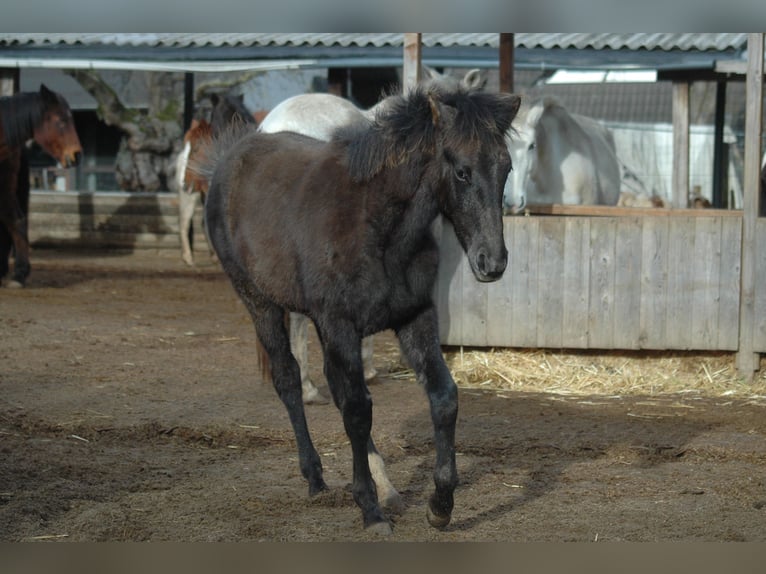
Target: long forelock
x,y
19,115
481,117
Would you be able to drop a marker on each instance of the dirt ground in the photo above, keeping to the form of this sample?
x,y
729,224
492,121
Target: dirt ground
x,y
131,409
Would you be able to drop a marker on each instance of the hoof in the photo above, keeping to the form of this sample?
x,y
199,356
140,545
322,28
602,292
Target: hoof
x,y
188,260
380,528
13,284
435,520
318,488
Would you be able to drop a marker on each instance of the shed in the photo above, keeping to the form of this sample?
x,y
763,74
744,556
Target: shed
x,y
680,280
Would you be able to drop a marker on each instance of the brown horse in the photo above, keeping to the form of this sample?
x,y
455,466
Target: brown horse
x,y
190,184
45,117
341,231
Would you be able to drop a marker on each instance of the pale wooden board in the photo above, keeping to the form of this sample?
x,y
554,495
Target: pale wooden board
x,y
627,283
525,281
576,283
653,283
601,286
680,296
550,286
704,268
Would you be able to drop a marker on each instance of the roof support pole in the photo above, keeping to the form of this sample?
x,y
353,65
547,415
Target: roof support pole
x,y
680,144
411,64
188,99
506,57
747,360
720,151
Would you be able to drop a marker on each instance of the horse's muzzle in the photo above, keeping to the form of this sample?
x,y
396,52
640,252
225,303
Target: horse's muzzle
x,y
71,160
488,268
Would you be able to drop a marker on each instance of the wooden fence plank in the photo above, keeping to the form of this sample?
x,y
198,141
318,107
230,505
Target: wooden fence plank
x,y
759,295
627,283
705,268
499,293
653,283
576,283
525,295
550,286
601,296
678,314
728,285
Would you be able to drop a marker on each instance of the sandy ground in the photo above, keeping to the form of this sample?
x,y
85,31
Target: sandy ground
x,y
131,409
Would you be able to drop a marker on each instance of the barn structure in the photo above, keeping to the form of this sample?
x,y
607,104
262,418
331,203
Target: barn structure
x,y
578,278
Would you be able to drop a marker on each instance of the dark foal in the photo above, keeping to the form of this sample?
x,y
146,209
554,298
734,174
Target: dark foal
x,y
341,232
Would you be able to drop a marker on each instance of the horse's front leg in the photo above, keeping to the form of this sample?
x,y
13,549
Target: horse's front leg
x,y
343,368
420,345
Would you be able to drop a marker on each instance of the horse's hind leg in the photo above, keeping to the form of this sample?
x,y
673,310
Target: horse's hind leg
x,y
299,334
186,204
343,369
420,344
285,375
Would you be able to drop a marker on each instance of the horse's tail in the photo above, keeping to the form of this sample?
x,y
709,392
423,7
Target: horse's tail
x,y
203,162
264,363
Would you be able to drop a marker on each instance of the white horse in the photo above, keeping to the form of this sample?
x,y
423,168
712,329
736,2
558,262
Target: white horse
x,y
319,115
559,157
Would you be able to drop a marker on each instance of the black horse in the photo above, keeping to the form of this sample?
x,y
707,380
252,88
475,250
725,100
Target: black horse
x,y
340,231
45,117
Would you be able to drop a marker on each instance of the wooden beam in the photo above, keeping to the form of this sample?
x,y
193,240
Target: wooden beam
x,y
720,151
748,361
506,62
188,99
680,144
412,58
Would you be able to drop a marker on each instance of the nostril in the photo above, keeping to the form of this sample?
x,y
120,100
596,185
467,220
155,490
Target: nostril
x,y
482,263
77,157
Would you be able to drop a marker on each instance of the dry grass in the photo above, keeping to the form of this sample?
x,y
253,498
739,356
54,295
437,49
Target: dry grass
x,y
596,373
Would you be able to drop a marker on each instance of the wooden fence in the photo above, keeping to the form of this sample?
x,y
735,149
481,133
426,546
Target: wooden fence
x,y
644,279
665,279
116,220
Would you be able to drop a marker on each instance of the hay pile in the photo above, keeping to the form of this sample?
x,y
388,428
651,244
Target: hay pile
x,y
597,372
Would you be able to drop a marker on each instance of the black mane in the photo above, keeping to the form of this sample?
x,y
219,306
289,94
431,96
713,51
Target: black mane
x,y
19,115
406,126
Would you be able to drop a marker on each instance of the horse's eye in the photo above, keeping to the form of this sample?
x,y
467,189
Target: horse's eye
x,y
463,174
531,146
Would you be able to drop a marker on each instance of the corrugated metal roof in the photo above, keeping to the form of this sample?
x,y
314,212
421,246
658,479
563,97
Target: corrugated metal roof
x,y
598,41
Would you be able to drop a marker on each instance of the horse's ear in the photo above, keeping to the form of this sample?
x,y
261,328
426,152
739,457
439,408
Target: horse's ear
x,y
214,99
474,80
534,115
46,93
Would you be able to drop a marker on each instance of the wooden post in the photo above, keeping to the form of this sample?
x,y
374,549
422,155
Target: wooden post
x,y
506,62
680,144
9,81
747,360
720,151
188,100
412,58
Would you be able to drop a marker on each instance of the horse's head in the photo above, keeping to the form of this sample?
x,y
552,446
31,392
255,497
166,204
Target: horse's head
x,y
228,109
56,133
522,145
472,131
